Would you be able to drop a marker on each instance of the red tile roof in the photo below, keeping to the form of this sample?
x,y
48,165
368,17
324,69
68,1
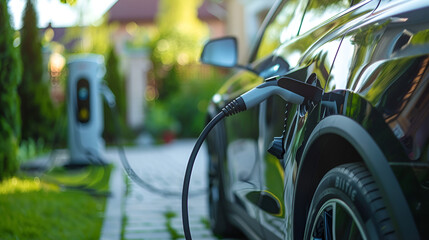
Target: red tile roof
x,y
133,10
145,11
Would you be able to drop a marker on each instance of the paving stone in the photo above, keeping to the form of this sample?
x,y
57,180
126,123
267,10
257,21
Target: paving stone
x,y
144,215
147,235
146,228
112,223
137,223
147,222
205,238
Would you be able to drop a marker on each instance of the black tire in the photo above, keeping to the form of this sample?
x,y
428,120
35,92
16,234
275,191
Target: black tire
x,y
219,220
347,203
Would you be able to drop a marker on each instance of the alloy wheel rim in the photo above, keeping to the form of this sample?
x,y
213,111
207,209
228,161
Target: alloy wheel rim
x,y
336,220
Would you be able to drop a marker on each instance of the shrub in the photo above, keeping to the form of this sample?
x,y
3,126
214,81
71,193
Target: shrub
x,y
10,76
159,122
38,112
184,111
189,104
116,83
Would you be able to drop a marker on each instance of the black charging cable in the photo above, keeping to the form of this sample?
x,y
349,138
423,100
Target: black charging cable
x,y
289,89
230,109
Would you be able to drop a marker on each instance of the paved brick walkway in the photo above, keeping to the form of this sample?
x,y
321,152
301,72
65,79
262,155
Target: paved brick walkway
x,y
144,214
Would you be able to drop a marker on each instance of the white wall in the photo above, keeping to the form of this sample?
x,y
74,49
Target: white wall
x,y
137,65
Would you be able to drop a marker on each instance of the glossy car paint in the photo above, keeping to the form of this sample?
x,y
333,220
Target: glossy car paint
x,y
372,59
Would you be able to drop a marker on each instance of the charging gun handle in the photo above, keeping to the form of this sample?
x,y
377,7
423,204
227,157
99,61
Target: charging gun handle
x,y
289,89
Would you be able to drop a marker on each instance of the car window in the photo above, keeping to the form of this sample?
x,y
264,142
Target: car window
x,y
318,11
284,27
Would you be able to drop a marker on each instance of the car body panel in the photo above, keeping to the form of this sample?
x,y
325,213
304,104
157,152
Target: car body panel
x,y
363,130
317,55
372,60
390,71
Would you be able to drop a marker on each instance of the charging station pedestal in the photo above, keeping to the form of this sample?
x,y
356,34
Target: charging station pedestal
x,y
85,109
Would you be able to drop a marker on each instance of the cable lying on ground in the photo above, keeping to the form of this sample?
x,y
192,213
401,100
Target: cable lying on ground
x,y
110,98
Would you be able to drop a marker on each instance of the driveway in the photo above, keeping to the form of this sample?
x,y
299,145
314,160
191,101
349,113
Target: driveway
x,y
142,213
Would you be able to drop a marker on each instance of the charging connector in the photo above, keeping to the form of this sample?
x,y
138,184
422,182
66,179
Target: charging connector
x,y
291,90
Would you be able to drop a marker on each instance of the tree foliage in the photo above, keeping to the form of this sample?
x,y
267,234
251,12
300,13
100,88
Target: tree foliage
x,y
92,38
116,83
180,39
182,87
10,76
70,2
180,32
38,113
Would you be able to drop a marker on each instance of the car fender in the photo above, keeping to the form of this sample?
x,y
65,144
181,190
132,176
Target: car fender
x,y
377,164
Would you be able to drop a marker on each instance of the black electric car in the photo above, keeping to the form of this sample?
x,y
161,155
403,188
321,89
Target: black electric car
x,y
354,165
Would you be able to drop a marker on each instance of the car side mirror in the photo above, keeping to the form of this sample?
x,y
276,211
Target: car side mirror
x,y
221,52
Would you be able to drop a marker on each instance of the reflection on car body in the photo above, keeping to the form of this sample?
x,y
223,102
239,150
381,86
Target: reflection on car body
x,y
354,165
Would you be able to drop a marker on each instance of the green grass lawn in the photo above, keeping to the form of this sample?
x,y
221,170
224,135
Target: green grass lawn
x,y
63,204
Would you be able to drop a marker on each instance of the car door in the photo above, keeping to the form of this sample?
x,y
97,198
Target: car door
x,y
242,166
282,30
309,57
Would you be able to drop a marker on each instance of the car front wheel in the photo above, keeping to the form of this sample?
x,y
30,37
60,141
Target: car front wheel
x,y
347,205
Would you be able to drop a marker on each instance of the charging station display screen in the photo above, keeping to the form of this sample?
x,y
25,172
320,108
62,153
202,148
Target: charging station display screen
x,y
83,101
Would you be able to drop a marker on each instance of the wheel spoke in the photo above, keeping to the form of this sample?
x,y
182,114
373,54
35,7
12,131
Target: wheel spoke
x,y
318,229
327,219
334,220
345,226
354,232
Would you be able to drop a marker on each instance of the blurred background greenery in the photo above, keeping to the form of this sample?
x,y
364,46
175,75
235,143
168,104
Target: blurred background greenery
x,y
33,77
151,50
176,90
